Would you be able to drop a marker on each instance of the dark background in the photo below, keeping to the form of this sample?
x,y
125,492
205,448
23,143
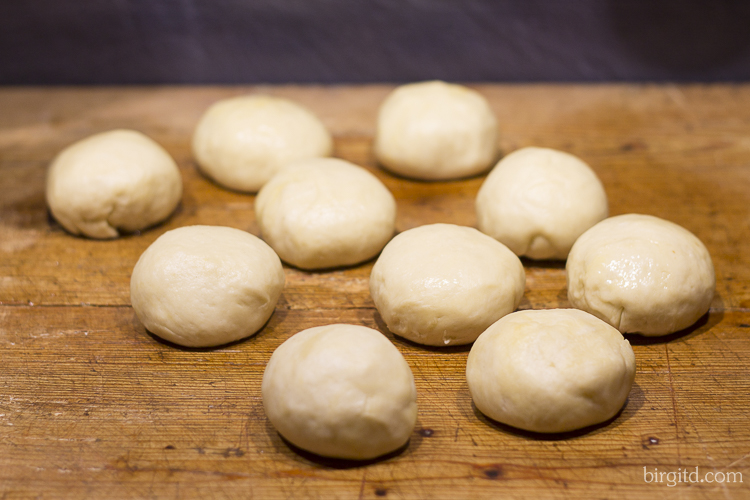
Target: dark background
x,y
287,41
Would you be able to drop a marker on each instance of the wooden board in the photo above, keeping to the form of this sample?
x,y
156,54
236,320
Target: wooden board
x,y
93,406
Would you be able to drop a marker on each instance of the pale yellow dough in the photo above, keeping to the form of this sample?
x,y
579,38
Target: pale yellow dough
x,y
325,212
538,201
202,286
443,284
552,370
435,131
111,182
341,391
641,274
243,141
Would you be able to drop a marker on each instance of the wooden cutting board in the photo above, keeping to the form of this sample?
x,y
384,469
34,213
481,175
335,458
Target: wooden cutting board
x,y
92,406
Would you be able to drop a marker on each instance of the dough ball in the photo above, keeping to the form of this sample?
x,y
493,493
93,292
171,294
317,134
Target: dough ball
x,y
325,212
553,370
641,274
201,286
341,391
242,142
443,284
110,182
538,201
435,131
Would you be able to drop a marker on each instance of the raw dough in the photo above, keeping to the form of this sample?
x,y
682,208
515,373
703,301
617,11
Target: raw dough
x,y
538,201
201,286
641,274
243,141
443,284
341,391
436,131
325,212
552,370
110,182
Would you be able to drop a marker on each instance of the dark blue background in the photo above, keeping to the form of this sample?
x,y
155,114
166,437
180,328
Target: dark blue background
x,y
277,41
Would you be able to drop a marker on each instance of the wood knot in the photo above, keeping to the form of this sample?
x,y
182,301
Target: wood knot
x,y
232,452
493,472
649,441
633,146
426,432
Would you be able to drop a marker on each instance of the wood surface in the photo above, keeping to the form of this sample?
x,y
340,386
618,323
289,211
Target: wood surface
x,y
92,406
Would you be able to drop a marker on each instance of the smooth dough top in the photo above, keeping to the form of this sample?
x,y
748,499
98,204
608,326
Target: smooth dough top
x,y
114,181
436,131
538,201
203,286
341,391
553,370
443,284
243,141
641,274
325,212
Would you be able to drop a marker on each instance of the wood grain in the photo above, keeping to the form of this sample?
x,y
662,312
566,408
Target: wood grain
x,y
93,406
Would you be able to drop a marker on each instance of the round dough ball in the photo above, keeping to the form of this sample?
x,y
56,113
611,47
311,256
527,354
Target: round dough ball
x,y
341,391
538,201
553,370
436,131
324,213
443,284
641,274
243,141
202,286
110,182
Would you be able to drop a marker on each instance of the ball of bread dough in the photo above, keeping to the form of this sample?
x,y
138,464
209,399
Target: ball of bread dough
x,y
201,286
435,131
325,212
243,141
443,284
641,274
538,201
110,182
341,391
553,370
